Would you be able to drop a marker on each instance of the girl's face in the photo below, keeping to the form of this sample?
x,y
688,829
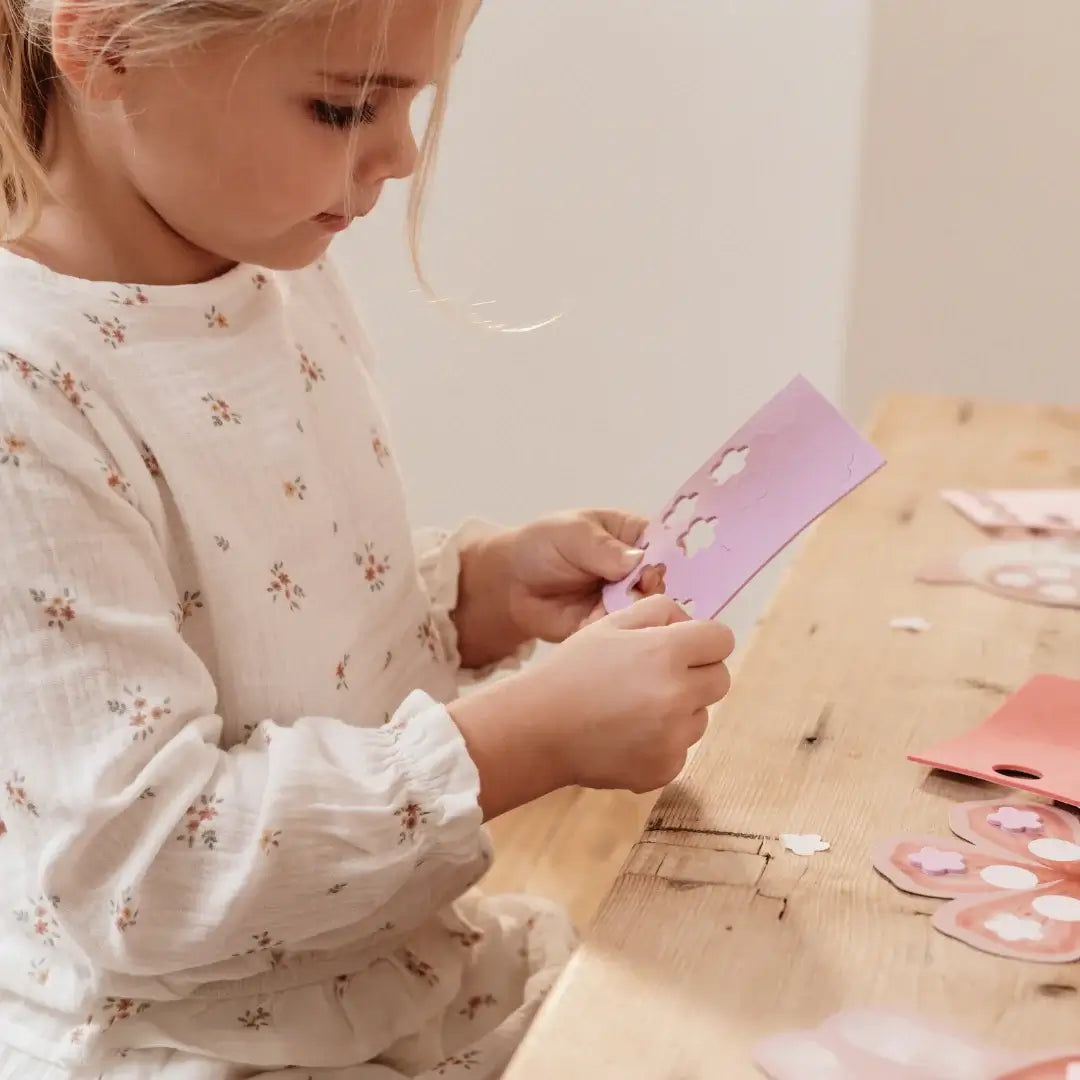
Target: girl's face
x,y
261,150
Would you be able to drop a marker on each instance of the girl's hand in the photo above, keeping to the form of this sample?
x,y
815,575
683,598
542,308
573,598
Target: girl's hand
x,y
616,706
543,581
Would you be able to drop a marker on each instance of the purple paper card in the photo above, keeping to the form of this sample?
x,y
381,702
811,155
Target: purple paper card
x,y
781,471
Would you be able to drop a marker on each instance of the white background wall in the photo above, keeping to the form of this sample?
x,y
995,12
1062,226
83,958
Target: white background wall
x,y
968,272
679,179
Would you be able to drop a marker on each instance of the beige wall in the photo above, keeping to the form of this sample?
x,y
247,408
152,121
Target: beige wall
x,y
679,179
967,268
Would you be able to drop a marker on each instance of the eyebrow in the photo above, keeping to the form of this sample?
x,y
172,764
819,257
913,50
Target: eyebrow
x,y
359,81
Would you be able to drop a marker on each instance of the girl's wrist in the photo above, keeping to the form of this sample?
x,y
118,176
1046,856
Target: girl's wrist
x,y
486,628
508,733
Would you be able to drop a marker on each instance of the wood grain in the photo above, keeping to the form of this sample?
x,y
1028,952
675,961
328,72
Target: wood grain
x,y
713,936
568,847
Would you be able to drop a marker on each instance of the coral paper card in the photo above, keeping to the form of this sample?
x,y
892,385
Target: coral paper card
x,y
784,468
1032,742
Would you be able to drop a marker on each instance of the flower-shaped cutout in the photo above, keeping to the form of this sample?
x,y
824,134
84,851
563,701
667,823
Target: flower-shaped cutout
x,y
878,1044
1012,876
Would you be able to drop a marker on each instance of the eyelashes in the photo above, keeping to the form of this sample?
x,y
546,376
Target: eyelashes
x,y
343,116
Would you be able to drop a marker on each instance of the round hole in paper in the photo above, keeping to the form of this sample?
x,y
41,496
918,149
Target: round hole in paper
x,y
1018,772
1009,877
1052,849
1059,908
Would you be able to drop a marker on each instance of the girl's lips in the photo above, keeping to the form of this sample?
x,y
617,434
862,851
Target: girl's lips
x,y
333,222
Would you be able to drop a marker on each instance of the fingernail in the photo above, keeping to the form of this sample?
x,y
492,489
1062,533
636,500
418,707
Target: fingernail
x,y
635,555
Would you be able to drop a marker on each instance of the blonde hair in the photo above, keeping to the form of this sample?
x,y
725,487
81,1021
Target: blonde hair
x,y
28,75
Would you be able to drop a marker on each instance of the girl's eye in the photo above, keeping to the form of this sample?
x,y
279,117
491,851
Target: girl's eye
x,y
343,116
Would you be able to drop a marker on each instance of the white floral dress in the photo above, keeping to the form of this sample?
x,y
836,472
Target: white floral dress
x,y
238,825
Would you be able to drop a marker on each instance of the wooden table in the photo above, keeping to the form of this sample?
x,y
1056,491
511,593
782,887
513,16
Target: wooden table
x,y
713,937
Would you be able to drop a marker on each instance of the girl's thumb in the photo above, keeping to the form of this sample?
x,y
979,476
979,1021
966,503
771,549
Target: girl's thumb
x,y
604,555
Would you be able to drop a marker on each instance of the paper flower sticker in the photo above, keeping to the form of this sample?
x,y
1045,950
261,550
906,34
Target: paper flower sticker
x,y
1013,820
878,1044
934,862
807,845
1013,878
1033,571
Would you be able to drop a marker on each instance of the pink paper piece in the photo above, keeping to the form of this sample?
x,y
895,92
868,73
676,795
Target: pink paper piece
x,y
1019,893
800,457
1032,743
1043,571
883,1044
1054,512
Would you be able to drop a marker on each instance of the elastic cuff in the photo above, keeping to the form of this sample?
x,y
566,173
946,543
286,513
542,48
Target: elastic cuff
x,y
431,752
439,556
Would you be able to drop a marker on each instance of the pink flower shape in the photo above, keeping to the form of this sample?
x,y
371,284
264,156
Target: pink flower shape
x,y
1019,892
878,1044
934,861
1012,820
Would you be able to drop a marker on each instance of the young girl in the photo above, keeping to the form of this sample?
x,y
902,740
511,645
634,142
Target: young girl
x,y
243,807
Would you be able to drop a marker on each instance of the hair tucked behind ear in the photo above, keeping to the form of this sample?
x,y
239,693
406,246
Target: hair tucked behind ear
x,y
26,77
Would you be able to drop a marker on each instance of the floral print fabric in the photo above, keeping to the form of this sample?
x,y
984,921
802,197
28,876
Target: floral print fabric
x,y
235,817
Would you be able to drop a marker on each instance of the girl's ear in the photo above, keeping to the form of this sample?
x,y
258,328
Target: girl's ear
x,y
87,50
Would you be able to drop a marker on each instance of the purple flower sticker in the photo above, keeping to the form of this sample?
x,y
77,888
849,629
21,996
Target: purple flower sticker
x,y
934,862
1014,820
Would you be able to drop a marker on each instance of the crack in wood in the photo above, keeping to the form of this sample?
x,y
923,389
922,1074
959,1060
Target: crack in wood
x,y
821,726
985,684
783,901
656,826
